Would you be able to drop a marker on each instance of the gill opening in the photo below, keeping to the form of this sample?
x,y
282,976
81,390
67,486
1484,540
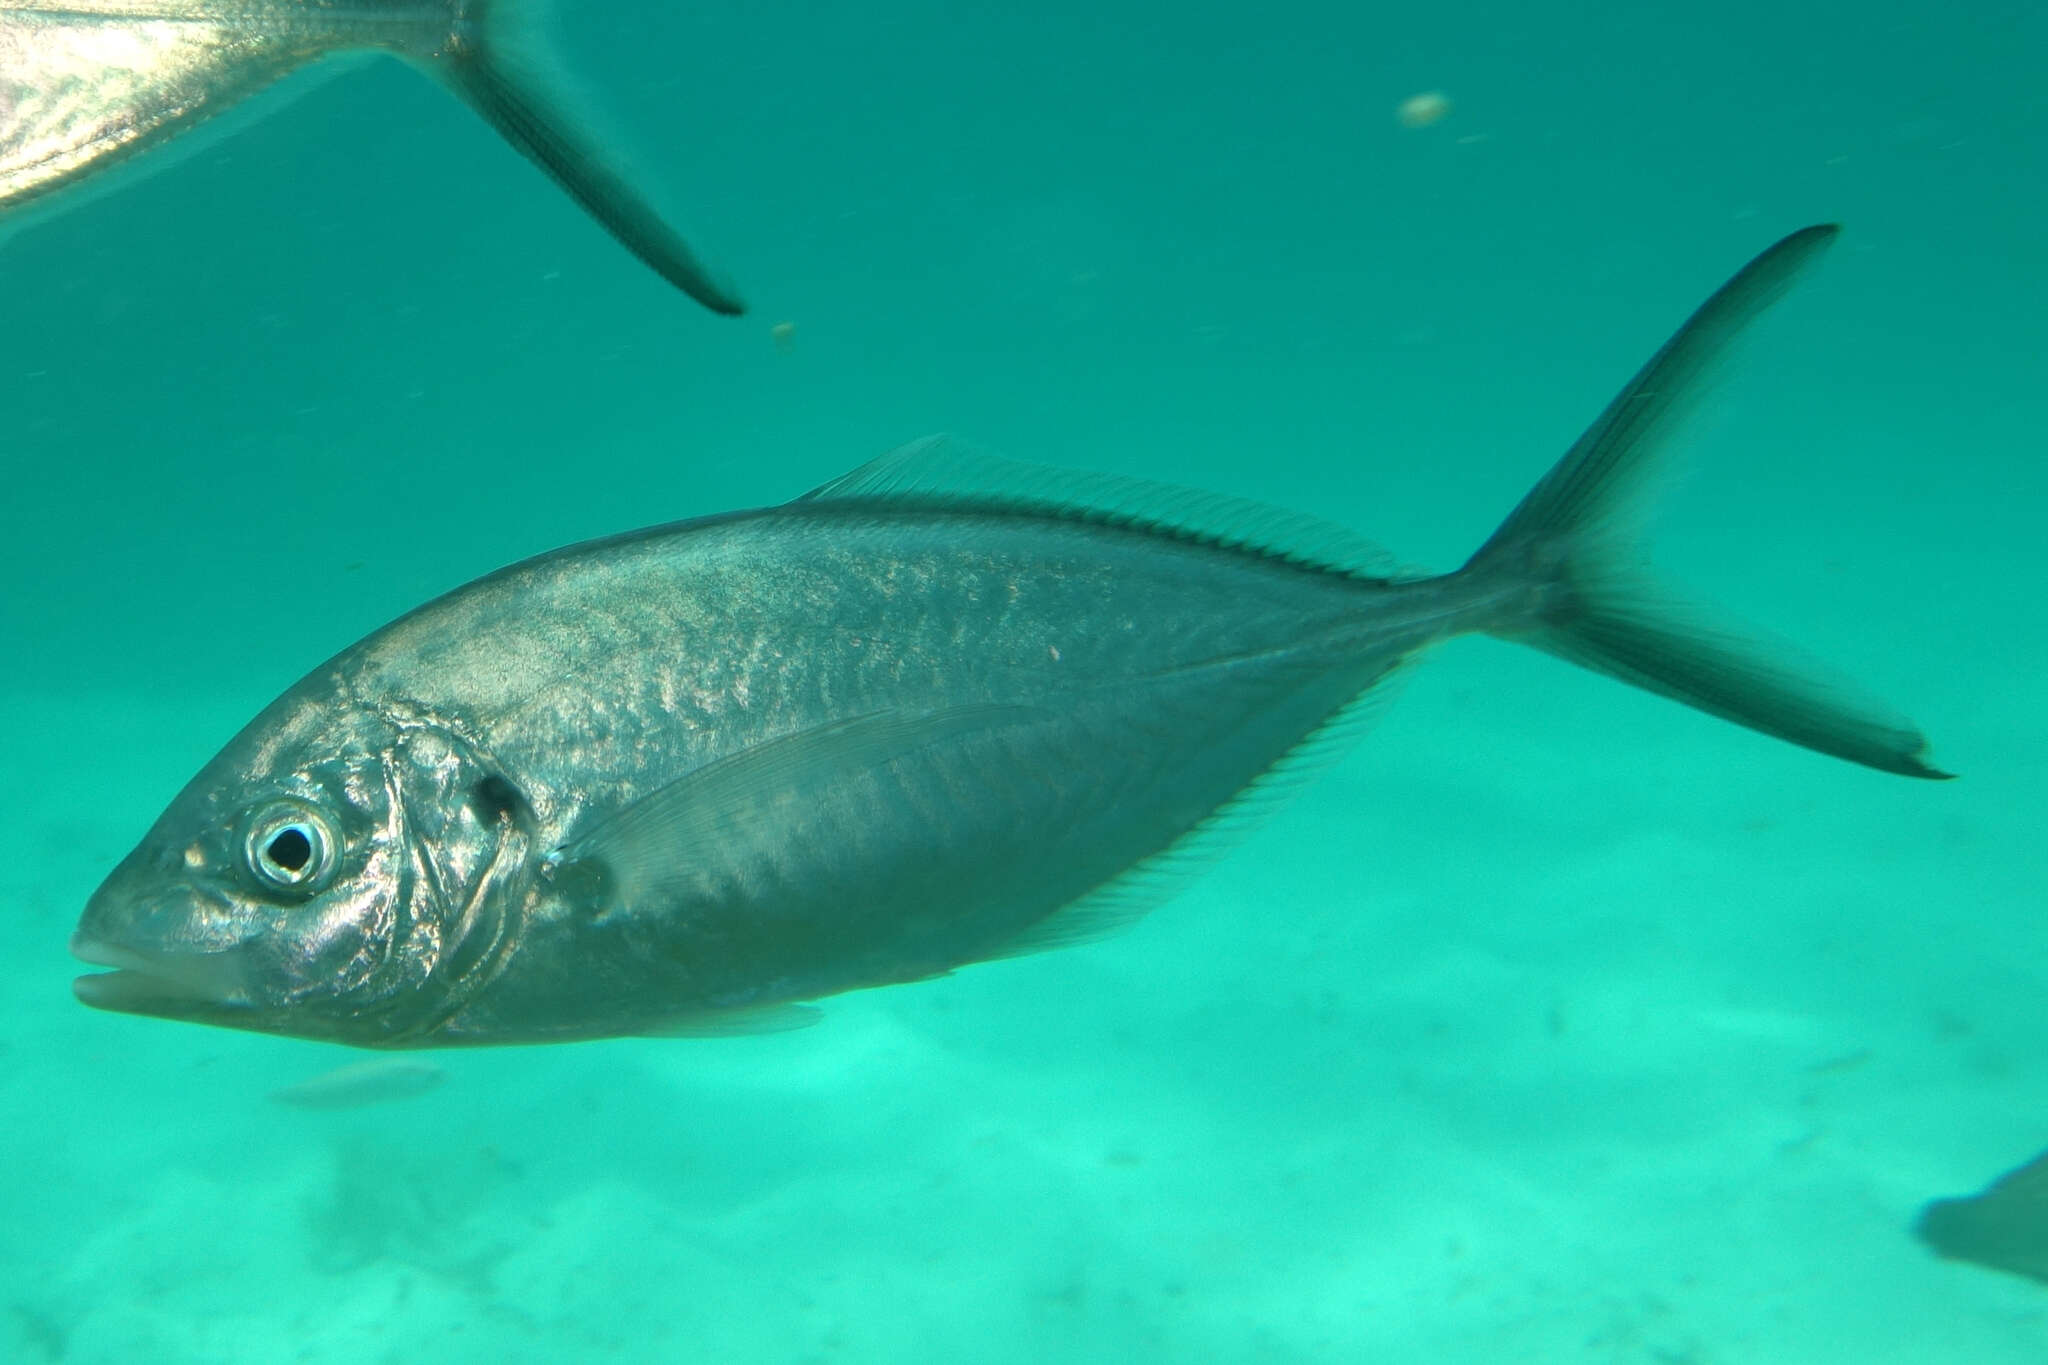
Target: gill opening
x,y
478,944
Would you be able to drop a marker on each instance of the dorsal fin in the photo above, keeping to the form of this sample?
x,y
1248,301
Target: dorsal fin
x,y
942,471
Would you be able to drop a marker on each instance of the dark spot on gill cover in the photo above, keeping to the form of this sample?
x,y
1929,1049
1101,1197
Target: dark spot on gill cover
x,y
494,796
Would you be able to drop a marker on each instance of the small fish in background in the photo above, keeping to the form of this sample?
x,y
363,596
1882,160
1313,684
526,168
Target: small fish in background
x,y
360,1084
88,85
2005,1227
1424,110
942,709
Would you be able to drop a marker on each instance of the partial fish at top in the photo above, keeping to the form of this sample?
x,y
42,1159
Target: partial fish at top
x,y
86,85
940,710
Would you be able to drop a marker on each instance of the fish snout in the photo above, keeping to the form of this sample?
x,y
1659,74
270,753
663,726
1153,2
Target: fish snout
x,y
163,960
156,983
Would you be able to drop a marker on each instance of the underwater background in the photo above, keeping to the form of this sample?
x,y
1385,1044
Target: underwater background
x,y
1553,1022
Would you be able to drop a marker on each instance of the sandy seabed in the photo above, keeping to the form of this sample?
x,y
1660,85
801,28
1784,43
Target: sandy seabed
x,y
1550,1023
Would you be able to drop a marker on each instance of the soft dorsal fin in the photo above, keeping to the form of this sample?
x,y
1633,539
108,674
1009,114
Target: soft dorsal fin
x,y
943,471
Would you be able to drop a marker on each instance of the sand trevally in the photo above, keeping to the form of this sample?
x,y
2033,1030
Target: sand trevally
x,y
87,86
940,710
2003,1227
361,1084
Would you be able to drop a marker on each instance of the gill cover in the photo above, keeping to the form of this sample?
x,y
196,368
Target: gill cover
x,y
463,835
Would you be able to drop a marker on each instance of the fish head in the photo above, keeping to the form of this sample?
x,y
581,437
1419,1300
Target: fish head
x,y
339,872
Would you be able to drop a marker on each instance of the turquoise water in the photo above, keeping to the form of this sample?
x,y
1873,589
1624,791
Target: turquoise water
x,y
1553,1023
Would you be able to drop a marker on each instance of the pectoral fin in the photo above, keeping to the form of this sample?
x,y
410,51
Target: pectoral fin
x,y
637,856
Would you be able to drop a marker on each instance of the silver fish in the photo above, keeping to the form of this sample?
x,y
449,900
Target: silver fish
x,y
86,85
361,1084
2002,1227
940,710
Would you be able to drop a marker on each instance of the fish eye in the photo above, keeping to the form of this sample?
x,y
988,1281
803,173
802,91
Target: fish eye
x,y
289,846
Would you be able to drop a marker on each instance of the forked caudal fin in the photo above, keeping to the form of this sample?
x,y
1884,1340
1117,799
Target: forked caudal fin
x,y
499,67
1575,535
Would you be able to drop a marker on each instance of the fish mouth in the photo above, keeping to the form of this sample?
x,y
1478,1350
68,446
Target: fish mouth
x,y
154,983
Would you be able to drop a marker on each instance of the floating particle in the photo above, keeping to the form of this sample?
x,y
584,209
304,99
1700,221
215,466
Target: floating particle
x,y
784,334
1420,111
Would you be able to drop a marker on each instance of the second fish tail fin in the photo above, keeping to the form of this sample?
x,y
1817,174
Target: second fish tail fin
x,y
1574,545
499,63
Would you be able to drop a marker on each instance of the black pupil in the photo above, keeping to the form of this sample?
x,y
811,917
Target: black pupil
x,y
290,849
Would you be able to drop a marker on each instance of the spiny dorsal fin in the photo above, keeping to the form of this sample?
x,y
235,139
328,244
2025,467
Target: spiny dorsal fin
x,y
943,471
